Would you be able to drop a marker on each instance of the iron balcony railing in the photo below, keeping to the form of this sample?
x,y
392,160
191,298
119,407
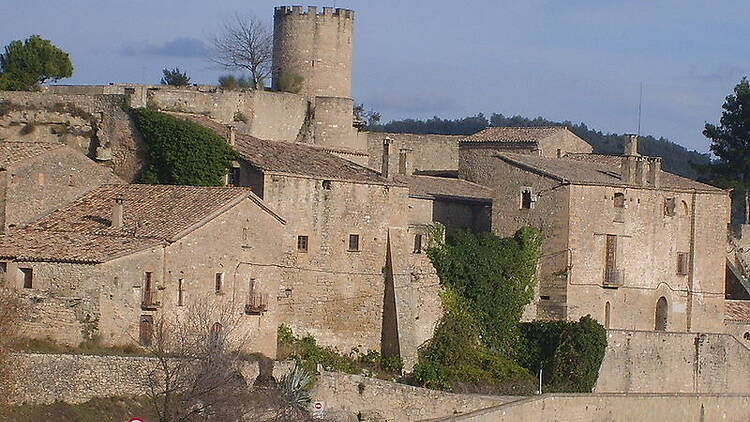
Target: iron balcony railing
x,y
614,278
257,303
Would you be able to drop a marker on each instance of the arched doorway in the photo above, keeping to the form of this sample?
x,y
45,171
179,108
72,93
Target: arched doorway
x,y
606,315
661,314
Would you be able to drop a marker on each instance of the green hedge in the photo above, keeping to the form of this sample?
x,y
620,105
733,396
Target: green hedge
x,y
181,152
569,353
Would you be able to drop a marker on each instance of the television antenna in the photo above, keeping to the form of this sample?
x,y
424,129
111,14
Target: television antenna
x,y
640,106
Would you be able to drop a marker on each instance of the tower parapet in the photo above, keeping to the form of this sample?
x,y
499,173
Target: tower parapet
x,y
315,44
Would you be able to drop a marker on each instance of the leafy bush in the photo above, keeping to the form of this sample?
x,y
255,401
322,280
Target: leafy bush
x,y
456,359
308,354
290,82
496,278
181,152
232,83
569,353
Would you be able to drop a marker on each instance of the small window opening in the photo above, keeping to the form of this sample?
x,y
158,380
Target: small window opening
x,y
527,198
684,209
544,297
326,185
669,207
619,201
40,179
661,314
28,277
180,293
607,315
353,242
219,282
417,243
683,263
233,177
559,153
746,336
302,243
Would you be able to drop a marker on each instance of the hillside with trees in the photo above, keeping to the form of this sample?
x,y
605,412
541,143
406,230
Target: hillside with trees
x,y
676,158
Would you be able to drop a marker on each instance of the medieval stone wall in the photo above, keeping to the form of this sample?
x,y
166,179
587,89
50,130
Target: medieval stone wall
x,y
43,184
616,408
427,152
651,362
94,124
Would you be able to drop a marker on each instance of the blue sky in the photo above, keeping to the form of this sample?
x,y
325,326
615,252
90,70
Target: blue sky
x,y
578,60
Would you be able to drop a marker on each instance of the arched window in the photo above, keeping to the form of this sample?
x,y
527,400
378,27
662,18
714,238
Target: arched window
x,y
606,315
661,314
215,336
684,209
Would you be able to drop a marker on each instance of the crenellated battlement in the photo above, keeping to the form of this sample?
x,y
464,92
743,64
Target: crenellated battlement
x,y
313,11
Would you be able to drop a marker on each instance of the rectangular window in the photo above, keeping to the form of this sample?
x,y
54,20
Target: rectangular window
x,y
612,276
353,242
527,198
417,243
326,184
28,277
669,207
146,330
180,293
302,243
219,282
683,263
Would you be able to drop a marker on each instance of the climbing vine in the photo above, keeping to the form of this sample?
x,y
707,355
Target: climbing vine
x,y
181,152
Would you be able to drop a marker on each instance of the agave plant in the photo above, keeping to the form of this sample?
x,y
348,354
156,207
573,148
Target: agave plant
x,y
295,387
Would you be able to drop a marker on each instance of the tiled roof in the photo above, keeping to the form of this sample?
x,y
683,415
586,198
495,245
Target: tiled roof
x,y
444,187
14,152
737,310
514,134
152,215
293,157
595,169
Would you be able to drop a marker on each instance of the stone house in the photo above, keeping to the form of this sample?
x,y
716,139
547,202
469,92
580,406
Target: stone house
x,y
38,177
105,267
545,141
634,246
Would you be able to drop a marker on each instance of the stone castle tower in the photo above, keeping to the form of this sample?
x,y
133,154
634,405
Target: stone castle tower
x,y
317,45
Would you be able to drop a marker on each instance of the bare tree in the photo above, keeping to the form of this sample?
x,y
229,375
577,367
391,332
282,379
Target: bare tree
x,y
196,373
246,43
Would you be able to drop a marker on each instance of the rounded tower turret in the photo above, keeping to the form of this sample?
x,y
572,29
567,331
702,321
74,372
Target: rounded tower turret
x,y
316,46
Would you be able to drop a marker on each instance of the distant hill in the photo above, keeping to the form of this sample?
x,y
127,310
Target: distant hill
x,y
675,158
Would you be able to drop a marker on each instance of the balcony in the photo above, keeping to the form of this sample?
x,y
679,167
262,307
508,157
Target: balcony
x,y
257,303
150,300
613,278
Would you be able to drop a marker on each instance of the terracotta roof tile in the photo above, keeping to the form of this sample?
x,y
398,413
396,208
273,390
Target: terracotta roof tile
x,y
514,134
14,152
293,157
152,215
445,187
595,169
737,310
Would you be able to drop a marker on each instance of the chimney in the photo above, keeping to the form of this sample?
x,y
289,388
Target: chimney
x,y
631,146
654,171
385,170
404,161
631,168
117,211
231,136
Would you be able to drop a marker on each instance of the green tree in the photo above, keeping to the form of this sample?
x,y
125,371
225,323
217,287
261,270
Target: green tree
x,y
175,77
181,152
25,65
730,141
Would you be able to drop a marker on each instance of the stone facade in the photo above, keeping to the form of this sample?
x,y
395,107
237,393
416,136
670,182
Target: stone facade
x,y
106,299
36,185
612,249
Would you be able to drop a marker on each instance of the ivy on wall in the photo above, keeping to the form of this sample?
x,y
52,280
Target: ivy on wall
x,y
181,152
495,276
